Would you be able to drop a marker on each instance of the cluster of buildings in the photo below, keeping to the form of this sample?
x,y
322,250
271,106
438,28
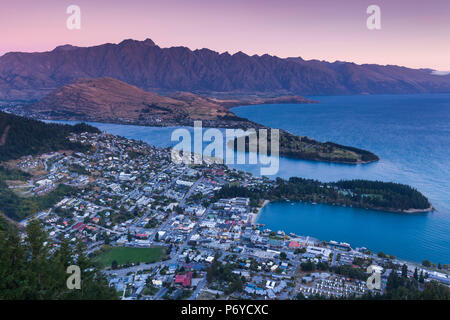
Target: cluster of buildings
x,y
132,195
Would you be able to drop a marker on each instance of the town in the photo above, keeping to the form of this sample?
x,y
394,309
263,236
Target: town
x,y
158,230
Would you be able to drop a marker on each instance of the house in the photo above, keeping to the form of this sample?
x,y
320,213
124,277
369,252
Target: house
x,y
294,244
172,268
318,251
184,279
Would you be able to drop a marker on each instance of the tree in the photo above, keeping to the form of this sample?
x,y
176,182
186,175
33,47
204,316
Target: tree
x,y
323,266
106,238
308,266
404,271
416,275
283,256
114,265
426,263
300,296
29,270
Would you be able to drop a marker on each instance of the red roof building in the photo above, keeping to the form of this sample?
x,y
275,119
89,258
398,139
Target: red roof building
x,y
184,279
77,226
294,244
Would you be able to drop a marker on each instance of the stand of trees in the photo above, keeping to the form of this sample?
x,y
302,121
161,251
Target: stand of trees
x,y
384,194
21,136
221,273
349,271
33,270
19,208
359,193
297,147
404,288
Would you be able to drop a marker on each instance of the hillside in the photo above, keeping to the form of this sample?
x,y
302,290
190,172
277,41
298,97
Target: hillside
x,y
27,76
111,100
21,136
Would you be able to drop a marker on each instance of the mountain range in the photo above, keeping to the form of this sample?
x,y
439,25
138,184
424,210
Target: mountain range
x,y
31,76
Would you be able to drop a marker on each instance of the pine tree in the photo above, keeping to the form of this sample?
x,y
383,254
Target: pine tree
x,y
30,270
404,271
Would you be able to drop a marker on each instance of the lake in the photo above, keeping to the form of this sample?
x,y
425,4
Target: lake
x,y
410,134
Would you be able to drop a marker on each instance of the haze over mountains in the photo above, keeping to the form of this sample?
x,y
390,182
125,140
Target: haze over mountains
x,y
30,76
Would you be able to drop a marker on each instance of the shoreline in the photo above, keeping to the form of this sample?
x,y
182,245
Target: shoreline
x,y
300,234
205,124
429,209
255,216
410,211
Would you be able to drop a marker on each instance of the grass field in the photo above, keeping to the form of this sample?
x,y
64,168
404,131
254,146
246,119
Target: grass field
x,y
125,255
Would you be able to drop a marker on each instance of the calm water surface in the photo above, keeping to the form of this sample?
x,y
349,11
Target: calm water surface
x,y
411,135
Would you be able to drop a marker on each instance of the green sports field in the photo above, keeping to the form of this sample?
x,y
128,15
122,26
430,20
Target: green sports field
x,y
125,255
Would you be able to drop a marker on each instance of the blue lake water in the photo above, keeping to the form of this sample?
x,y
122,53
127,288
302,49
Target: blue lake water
x,y
411,135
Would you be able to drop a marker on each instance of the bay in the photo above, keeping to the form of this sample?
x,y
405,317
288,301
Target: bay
x,y
410,134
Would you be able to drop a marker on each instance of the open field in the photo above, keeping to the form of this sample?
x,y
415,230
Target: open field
x,y
125,255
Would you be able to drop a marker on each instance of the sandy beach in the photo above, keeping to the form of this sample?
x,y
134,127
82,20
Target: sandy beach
x,y
255,215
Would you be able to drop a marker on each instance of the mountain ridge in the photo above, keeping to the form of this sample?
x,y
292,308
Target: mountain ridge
x,y
30,76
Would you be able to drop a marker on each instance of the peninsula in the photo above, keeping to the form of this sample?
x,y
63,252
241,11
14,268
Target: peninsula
x,y
112,101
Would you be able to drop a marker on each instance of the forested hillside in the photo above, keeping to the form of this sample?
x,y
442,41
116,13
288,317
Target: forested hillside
x,y
18,208
359,193
29,270
21,136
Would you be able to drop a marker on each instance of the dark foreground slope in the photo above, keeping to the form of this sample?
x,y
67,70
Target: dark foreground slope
x,y
21,136
31,270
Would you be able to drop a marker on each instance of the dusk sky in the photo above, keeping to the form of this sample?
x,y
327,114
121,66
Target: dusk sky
x,y
413,33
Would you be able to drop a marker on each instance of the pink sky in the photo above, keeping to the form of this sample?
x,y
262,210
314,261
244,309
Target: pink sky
x,y
414,33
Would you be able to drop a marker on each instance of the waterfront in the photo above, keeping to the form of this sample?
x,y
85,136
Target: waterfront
x,y
410,133
408,236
